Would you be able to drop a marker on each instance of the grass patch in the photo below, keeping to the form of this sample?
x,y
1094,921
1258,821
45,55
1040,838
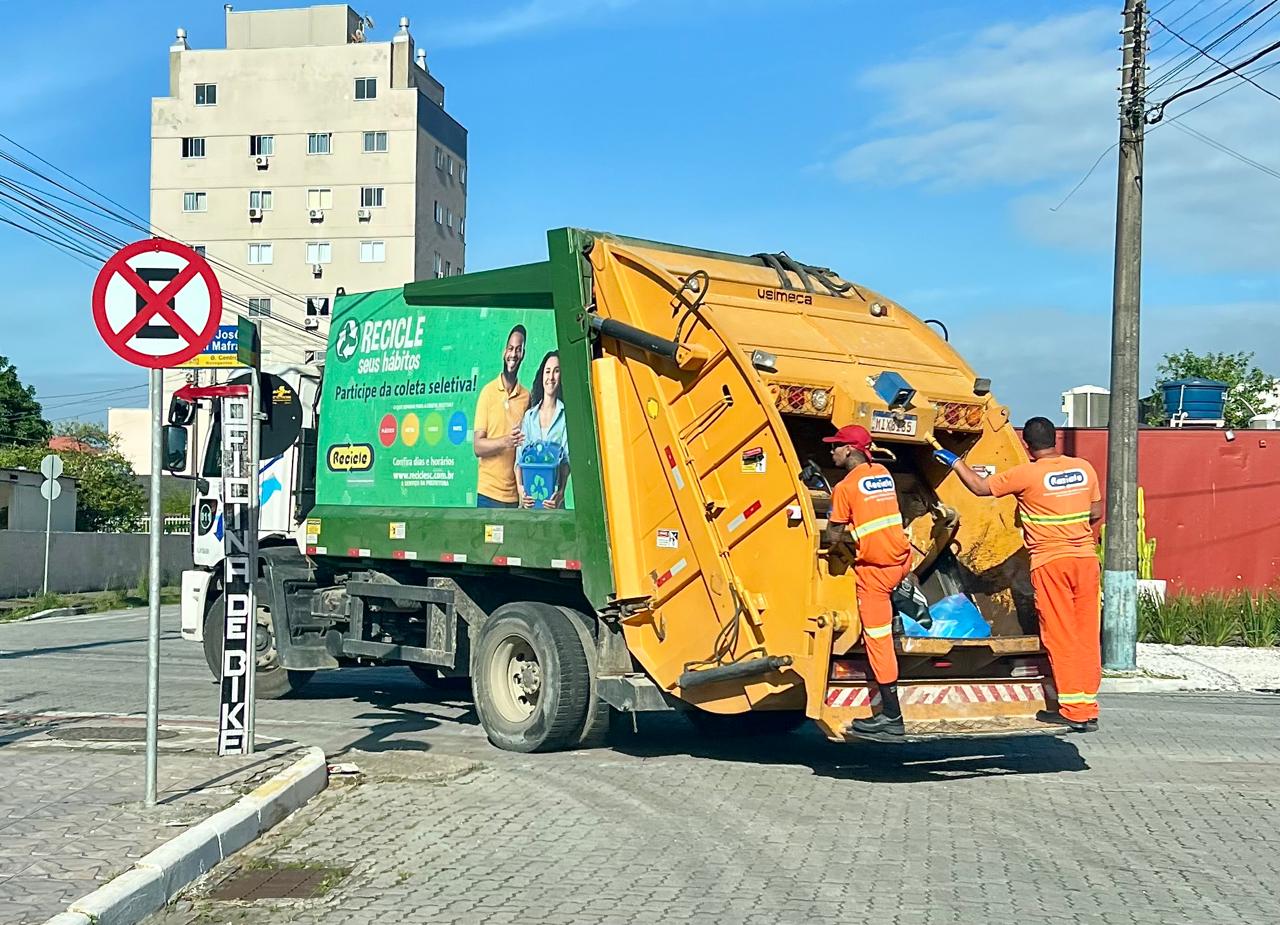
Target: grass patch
x,y
1250,618
92,602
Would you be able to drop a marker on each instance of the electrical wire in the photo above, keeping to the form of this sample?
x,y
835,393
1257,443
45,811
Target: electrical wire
x,y
1231,71
1184,57
1200,48
1213,143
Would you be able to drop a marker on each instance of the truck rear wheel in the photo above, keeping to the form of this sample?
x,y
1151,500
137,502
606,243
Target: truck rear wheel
x,y
271,680
531,678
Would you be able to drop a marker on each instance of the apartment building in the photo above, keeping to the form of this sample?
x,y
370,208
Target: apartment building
x,y
303,159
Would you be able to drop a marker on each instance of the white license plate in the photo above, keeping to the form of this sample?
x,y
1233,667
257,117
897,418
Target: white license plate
x,y
884,423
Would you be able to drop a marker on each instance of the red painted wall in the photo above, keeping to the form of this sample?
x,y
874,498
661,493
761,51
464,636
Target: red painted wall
x,y
1213,505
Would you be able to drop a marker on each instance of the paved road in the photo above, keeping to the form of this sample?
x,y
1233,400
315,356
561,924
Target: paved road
x,y
1171,813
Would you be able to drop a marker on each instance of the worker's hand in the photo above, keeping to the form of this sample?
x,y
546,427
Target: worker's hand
x,y
946,457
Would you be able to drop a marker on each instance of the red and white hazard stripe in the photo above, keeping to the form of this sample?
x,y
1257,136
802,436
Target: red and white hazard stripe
x,y
940,694
360,553
742,518
660,580
404,554
572,565
675,470
453,557
506,560
317,550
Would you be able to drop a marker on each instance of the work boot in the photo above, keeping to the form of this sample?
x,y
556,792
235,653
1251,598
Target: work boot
x,y
1057,719
887,724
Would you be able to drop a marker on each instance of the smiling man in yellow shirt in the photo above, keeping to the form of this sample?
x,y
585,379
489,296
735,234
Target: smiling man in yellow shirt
x,y
499,409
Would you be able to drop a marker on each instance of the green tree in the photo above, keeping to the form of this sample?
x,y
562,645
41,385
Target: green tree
x,y
21,417
1250,387
94,436
108,496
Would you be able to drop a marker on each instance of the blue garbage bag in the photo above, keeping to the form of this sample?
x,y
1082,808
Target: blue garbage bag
x,y
910,627
957,617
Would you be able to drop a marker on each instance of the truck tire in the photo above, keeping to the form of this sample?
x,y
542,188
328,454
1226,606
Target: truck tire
x,y
271,680
739,725
531,678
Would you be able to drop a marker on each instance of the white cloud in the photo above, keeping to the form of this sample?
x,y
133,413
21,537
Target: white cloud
x,y
531,16
1024,110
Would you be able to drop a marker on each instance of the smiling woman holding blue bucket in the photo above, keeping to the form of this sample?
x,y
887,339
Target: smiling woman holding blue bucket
x,y
542,466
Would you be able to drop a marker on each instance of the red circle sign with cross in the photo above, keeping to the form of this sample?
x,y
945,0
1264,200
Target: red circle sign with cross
x,y
157,303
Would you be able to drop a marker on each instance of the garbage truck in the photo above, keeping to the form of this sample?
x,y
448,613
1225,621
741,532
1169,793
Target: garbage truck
x,y
596,485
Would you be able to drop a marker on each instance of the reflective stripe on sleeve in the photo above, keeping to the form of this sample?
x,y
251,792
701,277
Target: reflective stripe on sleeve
x,y
877,632
1056,519
875,526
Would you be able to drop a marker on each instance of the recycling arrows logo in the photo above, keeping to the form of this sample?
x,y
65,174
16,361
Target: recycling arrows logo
x,y
348,340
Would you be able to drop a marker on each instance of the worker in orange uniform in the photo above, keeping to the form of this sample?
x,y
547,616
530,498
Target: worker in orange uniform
x,y
1059,501
864,511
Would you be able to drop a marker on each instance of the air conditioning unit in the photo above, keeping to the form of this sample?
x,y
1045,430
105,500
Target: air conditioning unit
x,y
364,215
317,215
255,215
311,324
263,162
316,269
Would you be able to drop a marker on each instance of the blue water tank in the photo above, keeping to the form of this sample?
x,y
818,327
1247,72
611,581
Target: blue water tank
x,y
1195,399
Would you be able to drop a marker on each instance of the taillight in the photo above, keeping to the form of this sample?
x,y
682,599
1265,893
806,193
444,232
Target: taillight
x,y
1026,668
845,670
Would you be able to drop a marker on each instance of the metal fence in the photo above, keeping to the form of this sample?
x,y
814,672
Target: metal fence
x,y
172,523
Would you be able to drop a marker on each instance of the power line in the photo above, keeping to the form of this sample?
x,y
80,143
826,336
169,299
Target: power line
x,y
1184,57
1232,70
1244,159
1198,51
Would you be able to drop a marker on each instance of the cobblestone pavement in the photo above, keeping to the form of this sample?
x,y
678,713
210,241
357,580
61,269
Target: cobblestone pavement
x,y
1167,815
71,810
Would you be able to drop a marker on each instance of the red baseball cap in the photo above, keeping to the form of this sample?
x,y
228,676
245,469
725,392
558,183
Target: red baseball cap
x,y
854,435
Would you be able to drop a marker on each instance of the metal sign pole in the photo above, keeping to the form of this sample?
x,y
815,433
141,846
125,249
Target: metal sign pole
x,y
48,531
153,601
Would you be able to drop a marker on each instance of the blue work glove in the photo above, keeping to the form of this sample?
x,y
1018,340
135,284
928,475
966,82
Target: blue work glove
x,y
946,457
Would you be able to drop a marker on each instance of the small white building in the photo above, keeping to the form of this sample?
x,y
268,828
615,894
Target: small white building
x,y
1086,406
22,507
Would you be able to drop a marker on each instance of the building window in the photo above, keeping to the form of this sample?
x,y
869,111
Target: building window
x,y
462,227
260,308
366,88
320,143
198,248
439,266
457,271
462,173
439,158
371,197
448,218
262,145
317,305
319,199
448,268
260,199
206,94
193,147
439,213
260,253
375,142
373,251
319,252
195,202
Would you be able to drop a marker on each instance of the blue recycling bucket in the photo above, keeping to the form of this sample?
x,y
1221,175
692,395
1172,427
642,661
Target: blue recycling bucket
x,y
540,470
1196,399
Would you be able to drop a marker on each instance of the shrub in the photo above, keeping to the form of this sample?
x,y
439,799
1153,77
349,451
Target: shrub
x,y
1260,619
1218,621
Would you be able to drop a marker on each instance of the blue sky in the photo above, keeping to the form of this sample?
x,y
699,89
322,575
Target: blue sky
x,y
916,148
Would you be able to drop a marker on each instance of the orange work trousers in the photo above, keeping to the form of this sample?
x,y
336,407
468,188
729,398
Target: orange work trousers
x,y
1067,598
875,610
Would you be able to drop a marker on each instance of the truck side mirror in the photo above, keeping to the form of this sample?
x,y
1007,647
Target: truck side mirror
x,y
175,448
181,411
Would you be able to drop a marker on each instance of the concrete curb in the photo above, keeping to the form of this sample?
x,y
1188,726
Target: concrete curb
x,y
1148,685
52,612
157,877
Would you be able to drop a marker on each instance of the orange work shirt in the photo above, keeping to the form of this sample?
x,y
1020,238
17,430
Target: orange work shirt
x,y
497,413
867,501
1054,496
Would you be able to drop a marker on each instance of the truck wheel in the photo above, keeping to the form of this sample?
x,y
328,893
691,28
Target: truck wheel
x,y
738,725
530,678
271,680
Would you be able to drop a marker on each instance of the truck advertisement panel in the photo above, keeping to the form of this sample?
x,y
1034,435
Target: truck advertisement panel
x,y
434,406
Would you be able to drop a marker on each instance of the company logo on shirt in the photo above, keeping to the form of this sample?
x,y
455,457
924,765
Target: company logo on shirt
x,y
1068,478
876,484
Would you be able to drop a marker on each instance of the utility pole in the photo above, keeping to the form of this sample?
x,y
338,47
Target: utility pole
x,y
1120,578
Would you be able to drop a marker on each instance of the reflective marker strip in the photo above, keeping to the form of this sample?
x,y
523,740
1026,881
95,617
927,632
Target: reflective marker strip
x,y
506,560
862,531
936,695
571,564
1056,519
877,632
359,553
742,518
317,550
675,470
1077,698
794,512
670,573
403,554
453,557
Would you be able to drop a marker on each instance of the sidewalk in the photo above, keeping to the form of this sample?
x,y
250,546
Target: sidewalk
x,y
1199,668
71,808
